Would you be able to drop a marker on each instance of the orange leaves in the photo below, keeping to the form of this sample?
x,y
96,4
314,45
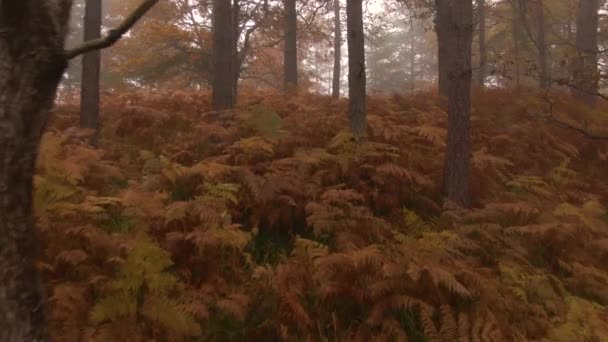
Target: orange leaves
x,y
279,225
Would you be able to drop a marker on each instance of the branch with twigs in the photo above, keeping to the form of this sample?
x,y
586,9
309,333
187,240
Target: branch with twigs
x,y
113,35
552,120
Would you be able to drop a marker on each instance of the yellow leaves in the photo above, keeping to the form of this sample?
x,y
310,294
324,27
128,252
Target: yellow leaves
x,y
251,150
507,214
486,162
143,289
64,161
591,214
313,157
223,191
341,141
263,121
532,184
309,248
585,321
562,175
416,225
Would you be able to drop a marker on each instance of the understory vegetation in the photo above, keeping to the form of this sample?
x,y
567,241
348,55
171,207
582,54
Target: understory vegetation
x,y
268,222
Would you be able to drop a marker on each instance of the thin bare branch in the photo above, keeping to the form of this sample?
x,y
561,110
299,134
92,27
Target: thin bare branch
x,y
113,35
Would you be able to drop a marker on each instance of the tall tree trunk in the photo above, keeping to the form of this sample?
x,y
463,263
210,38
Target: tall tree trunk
x,y
455,18
516,35
31,66
357,102
335,86
290,56
442,55
236,13
223,63
543,50
585,66
413,62
482,73
89,91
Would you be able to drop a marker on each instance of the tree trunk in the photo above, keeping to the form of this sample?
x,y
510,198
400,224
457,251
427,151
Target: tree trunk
x,y
586,76
455,18
290,56
236,13
516,34
335,86
413,60
31,66
89,93
223,63
543,52
442,55
482,73
357,104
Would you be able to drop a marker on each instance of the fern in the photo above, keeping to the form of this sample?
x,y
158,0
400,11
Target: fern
x,y
532,184
416,225
223,191
143,291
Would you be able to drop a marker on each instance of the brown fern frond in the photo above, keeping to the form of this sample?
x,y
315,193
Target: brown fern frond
x,y
448,328
236,305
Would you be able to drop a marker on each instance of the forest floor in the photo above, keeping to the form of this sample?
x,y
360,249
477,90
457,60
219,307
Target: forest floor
x,y
268,223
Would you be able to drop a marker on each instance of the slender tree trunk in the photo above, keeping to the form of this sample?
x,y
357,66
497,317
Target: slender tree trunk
x,y
89,92
413,62
455,18
223,63
290,56
31,66
543,51
236,13
357,102
585,67
482,73
335,86
516,34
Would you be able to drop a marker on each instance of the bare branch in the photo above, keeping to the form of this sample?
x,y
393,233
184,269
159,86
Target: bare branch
x,y
115,34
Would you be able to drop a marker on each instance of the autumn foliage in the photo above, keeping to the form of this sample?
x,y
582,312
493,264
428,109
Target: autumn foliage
x,y
270,223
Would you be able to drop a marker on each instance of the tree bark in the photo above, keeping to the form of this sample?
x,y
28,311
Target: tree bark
x,y
290,56
516,35
413,75
223,63
32,62
89,92
442,55
482,73
543,52
236,13
455,20
357,102
586,76
335,86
